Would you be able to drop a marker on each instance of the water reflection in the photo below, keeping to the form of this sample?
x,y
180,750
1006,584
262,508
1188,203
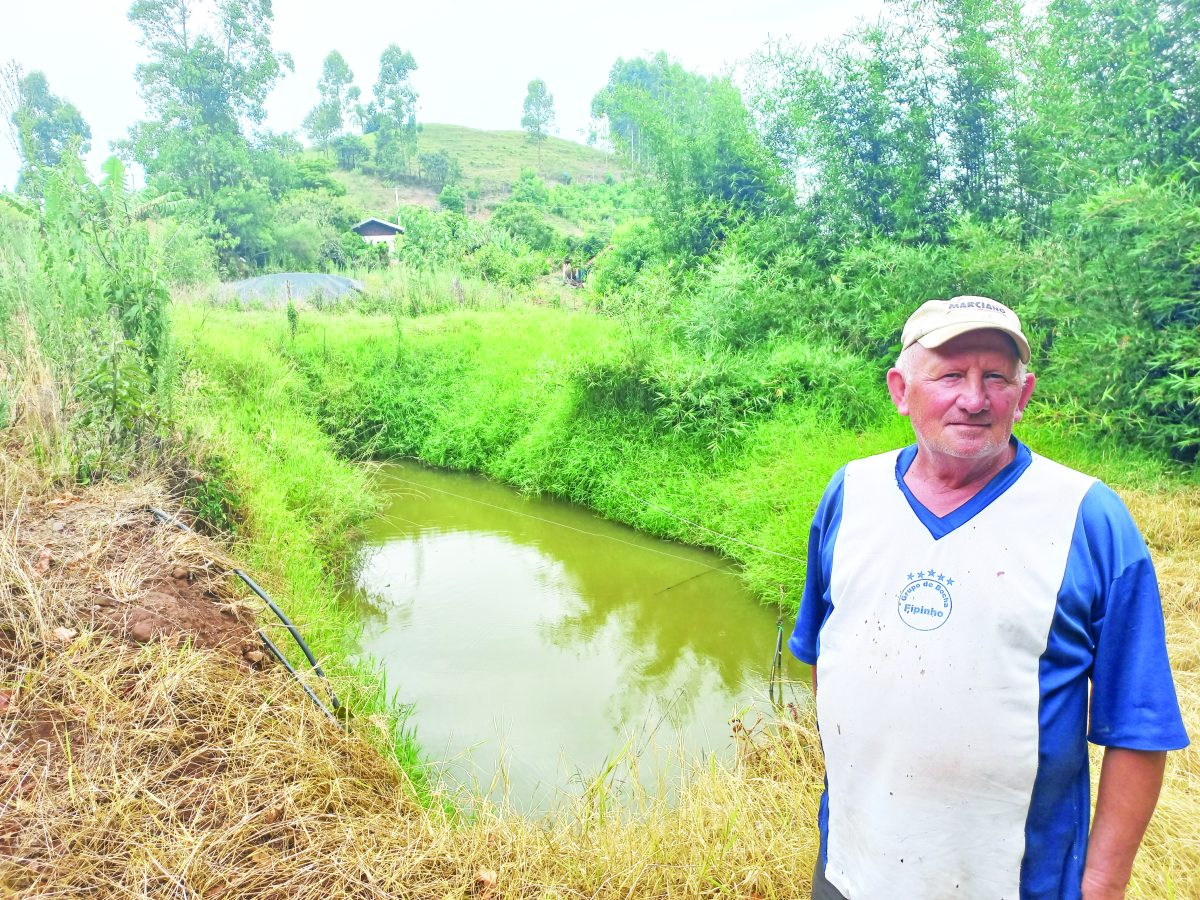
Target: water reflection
x,y
536,631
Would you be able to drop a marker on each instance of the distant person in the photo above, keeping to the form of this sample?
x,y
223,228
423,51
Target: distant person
x,y
962,595
566,271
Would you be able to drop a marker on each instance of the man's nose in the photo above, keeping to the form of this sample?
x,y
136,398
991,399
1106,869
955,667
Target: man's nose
x,y
972,398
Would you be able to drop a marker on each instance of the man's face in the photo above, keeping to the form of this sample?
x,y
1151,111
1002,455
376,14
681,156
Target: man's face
x,y
963,397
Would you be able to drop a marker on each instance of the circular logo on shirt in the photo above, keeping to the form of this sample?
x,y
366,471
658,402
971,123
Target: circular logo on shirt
x,y
925,602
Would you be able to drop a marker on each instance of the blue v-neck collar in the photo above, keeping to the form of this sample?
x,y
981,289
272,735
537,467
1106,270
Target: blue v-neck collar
x,y
940,526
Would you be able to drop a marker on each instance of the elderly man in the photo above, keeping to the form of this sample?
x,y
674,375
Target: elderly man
x,y
961,595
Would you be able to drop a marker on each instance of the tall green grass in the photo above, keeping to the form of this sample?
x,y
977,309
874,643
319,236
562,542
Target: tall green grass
x,y
565,403
294,503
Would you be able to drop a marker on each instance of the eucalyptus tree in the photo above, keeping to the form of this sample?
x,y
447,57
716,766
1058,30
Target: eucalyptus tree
x,y
46,127
630,83
394,112
537,114
336,97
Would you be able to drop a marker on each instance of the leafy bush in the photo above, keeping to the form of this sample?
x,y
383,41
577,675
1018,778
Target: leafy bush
x,y
530,188
298,245
716,395
634,245
737,304
434,239
504,262
525,222
187,251
440,169
451,199
1124,299
91,285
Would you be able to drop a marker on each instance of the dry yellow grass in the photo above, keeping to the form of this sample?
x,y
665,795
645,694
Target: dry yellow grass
x,y
1169,862
159,770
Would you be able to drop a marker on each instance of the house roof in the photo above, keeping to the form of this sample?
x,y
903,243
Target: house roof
x,y
398,229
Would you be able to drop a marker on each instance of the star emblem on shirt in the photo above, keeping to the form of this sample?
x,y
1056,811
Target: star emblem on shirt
x,y
932,574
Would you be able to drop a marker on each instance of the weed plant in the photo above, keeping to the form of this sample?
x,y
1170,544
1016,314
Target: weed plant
x,y
86,297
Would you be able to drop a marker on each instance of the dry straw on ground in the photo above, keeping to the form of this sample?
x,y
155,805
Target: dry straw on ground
x,y
165,770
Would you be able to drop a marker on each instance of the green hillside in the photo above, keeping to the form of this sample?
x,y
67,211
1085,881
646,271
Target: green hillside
x,y
495,158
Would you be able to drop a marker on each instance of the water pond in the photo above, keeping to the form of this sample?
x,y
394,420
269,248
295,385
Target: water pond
x,y
539,641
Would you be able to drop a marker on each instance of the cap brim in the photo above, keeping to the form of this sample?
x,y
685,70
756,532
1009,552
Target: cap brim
x,y
946,333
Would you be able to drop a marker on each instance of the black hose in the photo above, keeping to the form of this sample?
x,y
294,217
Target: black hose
x,y
278,654
777,667
168,519
290,627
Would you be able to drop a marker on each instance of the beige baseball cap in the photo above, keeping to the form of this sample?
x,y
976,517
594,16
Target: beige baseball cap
x,y
938,321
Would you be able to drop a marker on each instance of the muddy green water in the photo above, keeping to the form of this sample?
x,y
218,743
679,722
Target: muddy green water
x,y
538,640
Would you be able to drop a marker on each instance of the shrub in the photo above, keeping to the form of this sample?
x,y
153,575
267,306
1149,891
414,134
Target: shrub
x,y
634,245
451,199
187,251
525,223
1123,300
530,188
715,396
737,304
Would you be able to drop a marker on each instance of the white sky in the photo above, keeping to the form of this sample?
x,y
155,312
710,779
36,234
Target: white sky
x,y
474,59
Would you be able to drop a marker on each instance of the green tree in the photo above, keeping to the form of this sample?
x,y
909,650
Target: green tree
x,y
696,140
220,77
350,150
204,88
909,122
858,125
525,222
337,94
394,116
440,169
451,198
46,128
530,188
980,38
1116,93
537,114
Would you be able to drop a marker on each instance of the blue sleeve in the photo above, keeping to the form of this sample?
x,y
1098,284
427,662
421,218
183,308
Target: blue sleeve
x,y
815,603
1133,702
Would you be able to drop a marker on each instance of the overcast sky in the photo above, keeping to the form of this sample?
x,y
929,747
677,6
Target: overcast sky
x,y
474,59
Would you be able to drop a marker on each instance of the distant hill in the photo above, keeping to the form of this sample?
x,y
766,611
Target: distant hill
x,y
495,158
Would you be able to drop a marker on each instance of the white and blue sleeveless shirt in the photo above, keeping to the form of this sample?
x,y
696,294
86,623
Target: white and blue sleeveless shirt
x,y
954,657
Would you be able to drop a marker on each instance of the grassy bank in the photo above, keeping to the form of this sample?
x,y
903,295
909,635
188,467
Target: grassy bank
x,y
567,403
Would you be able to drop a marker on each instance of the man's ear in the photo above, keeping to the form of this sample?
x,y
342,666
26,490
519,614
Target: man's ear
x,y
898,389
1026,393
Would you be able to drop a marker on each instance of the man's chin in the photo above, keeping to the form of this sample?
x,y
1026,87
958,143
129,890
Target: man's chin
x,y
983,447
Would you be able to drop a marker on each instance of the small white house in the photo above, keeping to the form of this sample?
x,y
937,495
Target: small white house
x,y
378,231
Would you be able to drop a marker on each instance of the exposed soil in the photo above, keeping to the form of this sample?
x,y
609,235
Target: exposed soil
x,y
114,570
177,595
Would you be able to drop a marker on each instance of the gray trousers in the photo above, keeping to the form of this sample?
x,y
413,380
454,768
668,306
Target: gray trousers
x,y
822,889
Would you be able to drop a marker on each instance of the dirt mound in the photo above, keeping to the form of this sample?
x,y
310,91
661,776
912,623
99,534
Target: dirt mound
x,y
130,576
